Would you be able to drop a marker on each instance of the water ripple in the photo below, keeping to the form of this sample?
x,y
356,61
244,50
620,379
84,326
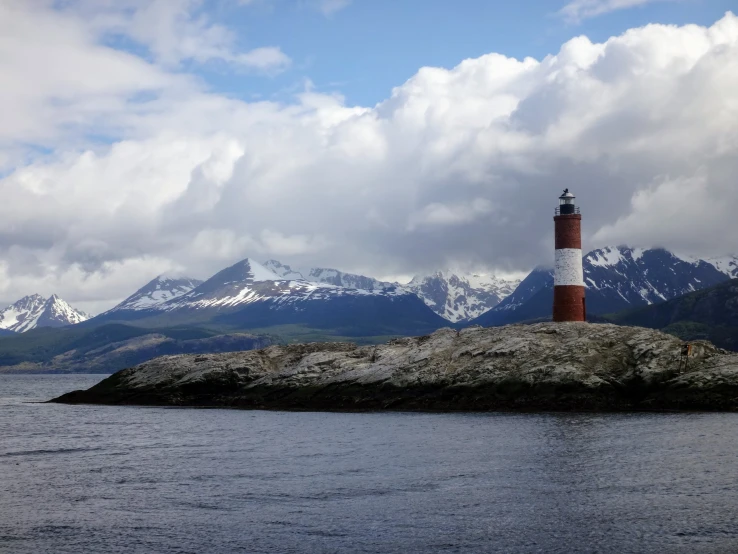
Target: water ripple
x,y
106,479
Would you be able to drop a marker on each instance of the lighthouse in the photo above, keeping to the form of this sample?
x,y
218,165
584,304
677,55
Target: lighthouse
x,y
569,303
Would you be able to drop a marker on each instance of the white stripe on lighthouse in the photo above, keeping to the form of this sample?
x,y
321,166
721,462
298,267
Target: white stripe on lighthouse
x,y
569,267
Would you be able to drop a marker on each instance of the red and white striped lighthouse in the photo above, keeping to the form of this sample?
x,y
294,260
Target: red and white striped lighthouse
x,y
569,303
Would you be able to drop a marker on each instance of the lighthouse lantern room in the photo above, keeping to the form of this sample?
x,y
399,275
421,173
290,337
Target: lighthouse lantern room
x,y
569,302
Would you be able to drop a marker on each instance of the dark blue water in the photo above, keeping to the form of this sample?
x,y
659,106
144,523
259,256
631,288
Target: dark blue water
x,y
104,479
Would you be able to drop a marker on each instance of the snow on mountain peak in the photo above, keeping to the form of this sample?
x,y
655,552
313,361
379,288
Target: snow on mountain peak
x,y
619,277
688,258
457,296
607,256
260,273
245,271
61,311
611,256
283,270
157,291
35,311
452,294
727,265
329,276
248,282
230,286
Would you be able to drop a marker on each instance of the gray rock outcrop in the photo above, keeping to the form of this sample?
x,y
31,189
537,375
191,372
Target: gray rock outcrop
x,y
547,366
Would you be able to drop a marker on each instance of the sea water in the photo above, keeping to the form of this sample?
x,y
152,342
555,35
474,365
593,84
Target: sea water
x,y
131,479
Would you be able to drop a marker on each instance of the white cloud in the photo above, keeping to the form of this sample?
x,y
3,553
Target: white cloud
x,y
267,58
174,31
55,77
92,292
577,10
326,7
457,166
329,7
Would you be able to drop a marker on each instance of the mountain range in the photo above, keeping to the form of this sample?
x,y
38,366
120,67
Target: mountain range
x,y
328,276
616,279
460,297
248,295
454,295
274,302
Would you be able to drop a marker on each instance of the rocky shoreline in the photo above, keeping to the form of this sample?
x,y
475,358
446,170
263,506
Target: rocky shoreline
x,y
541,367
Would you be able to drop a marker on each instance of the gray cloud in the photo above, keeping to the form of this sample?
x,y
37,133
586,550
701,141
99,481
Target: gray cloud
x,y
457,167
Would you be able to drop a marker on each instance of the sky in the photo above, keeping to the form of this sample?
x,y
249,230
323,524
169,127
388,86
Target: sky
x,y
384,137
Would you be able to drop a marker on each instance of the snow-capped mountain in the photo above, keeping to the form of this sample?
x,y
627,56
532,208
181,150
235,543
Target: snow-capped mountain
x,y
621,277
455,296
248,281
328,276
536,280
243,283
458,297
157,291
617,278
283,270
249,295
726,264
31,312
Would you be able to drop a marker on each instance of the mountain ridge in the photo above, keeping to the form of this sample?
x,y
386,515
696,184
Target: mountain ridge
x,y
460,297
35,311
616,279
248,295
454,295
157,291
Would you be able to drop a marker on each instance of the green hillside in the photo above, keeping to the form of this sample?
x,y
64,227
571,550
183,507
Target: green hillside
x,y
710,314
114,346
111,347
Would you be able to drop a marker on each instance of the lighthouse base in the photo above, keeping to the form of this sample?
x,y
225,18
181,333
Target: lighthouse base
x,y
569,303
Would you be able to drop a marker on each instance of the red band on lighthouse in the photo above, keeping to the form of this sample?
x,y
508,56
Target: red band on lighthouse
x,y
569,303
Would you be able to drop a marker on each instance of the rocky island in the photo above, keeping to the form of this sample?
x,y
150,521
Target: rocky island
x,y
541,367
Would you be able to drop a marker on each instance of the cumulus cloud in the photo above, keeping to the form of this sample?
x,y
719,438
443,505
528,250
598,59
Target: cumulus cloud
x,y
457,167
577,10
57,78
